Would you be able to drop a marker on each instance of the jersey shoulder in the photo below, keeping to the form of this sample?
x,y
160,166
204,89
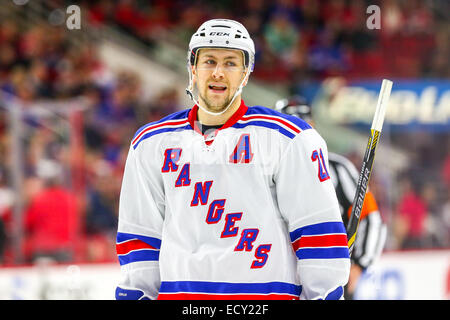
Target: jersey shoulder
x,y
264,111
173,122
287,125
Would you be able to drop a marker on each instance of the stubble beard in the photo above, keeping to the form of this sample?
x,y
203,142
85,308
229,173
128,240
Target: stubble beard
x,y
212,105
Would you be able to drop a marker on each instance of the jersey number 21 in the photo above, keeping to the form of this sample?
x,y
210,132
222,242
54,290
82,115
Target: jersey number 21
x,y
323,171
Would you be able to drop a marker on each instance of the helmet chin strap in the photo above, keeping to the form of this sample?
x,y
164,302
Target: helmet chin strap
x,y
189,91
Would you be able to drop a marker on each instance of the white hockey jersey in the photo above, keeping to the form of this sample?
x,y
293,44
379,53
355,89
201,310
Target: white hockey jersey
x,y
246,213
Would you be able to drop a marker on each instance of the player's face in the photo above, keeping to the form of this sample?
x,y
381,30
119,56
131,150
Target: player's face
x,y
218,74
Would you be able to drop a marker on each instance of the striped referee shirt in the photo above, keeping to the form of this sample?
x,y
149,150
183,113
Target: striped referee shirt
x,y
371,235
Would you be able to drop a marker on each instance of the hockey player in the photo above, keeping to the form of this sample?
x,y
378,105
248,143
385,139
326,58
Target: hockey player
x,y
372,230
227,201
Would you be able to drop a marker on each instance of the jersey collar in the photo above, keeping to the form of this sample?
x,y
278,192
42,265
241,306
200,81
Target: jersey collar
x,y
192,118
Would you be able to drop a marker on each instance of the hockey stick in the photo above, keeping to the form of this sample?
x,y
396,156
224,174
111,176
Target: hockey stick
x,y
369,156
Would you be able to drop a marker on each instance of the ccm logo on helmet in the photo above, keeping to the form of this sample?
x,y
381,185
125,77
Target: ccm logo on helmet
x,y
219,34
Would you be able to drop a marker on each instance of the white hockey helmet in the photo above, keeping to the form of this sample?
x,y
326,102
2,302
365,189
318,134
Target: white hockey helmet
x,y
222,33
226,34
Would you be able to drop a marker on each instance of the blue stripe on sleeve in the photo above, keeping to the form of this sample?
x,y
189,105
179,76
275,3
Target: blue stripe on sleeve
x,y
154,242
317,229
139,255
322,253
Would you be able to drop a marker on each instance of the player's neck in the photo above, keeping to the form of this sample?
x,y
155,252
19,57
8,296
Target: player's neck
x,y
214,120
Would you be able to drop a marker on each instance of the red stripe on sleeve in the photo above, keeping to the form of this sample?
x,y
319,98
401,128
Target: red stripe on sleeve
x,y
126,247
329,240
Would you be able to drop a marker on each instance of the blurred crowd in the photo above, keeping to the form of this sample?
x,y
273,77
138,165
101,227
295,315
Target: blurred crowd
x,y
302,40
70,209
421,212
